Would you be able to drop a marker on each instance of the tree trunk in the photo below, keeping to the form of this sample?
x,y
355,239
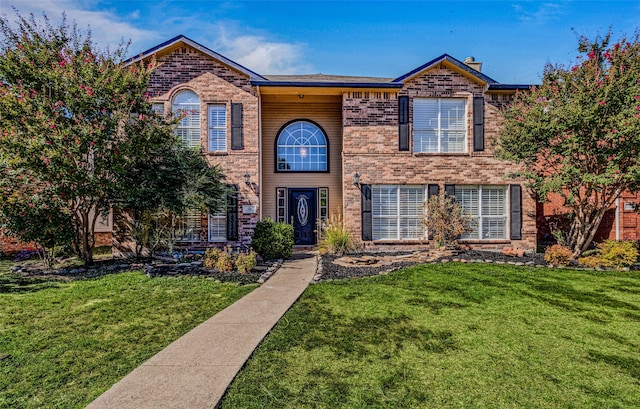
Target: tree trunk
x,y
584,228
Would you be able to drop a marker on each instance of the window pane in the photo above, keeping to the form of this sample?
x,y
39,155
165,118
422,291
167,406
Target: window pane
x,y
425,141
186,105
494,228
384,201
439,124
302,146
188,226
494,201
385,229
218,227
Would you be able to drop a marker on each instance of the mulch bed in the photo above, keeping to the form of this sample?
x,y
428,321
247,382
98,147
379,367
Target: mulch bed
x,y
328,270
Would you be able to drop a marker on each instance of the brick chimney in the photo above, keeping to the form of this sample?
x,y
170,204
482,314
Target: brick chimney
x,y
472,63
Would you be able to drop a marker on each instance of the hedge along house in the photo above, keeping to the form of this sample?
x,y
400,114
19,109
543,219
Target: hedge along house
x,y
300,148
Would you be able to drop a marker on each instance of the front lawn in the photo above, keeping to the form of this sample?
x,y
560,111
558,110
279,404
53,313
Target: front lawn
x,y
453,336
64,343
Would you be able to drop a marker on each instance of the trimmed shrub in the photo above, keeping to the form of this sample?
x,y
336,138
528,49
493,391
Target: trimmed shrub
x,y
591,261
225,262
618,253
211,257
446,220
336,239
558,255
245,262
272,240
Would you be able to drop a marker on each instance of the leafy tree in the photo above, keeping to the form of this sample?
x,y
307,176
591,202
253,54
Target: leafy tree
x,y
80,123
578,133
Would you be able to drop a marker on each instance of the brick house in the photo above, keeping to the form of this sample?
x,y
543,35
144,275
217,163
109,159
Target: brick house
x,y
292,148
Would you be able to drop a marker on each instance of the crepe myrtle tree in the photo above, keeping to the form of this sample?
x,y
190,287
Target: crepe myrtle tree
x,y
77,120
577,134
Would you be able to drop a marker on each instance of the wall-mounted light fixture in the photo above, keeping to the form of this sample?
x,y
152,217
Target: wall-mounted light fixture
x,y
356,181
248,182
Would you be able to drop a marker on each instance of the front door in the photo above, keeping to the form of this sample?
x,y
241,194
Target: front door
x,y
302,214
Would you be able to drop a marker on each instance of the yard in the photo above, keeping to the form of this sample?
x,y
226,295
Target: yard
x,y
64,343
453,336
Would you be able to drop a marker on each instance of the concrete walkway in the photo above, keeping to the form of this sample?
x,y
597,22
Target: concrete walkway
x,y
195,370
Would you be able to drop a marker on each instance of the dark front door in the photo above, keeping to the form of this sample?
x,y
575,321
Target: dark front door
x,y
302,213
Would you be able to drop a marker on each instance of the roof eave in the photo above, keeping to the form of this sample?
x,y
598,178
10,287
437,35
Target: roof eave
x,y
510,87
327,84
446,57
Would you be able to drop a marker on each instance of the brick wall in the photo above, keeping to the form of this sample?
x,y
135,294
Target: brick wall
x,y
370,148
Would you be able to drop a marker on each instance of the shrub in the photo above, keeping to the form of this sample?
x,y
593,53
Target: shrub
x,y
336,239
618,253
225,262
446,220
211,257
591,261
245,262
272,240
558,255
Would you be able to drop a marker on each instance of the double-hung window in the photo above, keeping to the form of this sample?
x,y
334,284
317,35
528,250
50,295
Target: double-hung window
x,y
217,128
188,226
397,212
186,106
218,227
487,207
439,125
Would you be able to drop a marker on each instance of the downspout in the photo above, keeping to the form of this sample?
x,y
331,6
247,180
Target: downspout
x,y
618,218
259,151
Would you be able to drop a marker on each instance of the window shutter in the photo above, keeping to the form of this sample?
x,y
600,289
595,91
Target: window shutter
x,y
367,219
432,190
449,190
478,124
237,142
403,121
232,213
515,197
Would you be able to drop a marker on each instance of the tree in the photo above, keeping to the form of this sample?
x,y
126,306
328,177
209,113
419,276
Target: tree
x,y
80,123
578,133
446,220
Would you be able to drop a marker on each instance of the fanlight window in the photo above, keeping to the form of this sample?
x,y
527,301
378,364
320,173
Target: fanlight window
x,y
302,146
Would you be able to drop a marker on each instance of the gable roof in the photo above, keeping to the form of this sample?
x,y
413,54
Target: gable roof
x,y
447,58
181,38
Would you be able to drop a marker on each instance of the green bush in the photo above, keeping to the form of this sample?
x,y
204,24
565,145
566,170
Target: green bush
x,y
336,239
618,253
225,262
245,262
272,240
558,255
592,261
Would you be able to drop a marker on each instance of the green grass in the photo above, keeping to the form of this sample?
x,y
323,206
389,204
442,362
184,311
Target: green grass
x,y
453,336
63,343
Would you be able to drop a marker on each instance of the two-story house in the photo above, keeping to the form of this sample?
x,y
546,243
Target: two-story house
x,y
298,148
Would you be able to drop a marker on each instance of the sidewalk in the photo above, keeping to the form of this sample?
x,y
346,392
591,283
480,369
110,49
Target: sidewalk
x,y
195,370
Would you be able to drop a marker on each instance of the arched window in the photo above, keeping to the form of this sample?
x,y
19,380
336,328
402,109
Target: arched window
x,y
186,105
301,146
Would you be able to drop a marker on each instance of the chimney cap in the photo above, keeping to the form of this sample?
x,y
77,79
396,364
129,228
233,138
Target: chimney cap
x,y
469,59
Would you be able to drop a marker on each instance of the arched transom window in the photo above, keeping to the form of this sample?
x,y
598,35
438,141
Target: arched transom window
x,y
302,146
186,105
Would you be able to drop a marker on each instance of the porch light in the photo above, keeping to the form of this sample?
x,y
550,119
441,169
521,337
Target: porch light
x,y
247,178
356,180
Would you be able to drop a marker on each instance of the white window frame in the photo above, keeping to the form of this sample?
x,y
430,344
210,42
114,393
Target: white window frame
x,y
483,213
220,234
401,220
217,127
189,126
191,224
437,126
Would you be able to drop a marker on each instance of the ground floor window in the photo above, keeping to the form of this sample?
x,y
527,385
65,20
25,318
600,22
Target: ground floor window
x,y
397,212
189,226
487,206
218,227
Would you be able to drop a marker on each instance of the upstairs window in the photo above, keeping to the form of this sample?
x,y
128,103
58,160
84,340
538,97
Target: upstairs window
x,y
217,128
301,146
186,105
439,125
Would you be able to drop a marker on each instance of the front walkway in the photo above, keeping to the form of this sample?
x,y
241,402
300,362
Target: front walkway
x,y
195,370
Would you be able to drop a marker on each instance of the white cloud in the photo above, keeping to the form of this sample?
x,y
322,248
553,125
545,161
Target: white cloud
x,y
107,29
539,12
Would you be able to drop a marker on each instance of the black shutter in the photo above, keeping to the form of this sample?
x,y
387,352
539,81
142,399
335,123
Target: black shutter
x,y
237,142
367,219
449,190
403,123
478,124
232,213
515,198
432,190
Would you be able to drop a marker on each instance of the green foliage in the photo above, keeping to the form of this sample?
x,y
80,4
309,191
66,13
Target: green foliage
x,y
618,253
80,123
272,240
446,220
577,135
336,238
225,262
558,255
245,262
211,257
591,261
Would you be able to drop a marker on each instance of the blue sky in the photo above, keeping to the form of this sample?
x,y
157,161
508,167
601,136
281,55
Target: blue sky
x,y
513,39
